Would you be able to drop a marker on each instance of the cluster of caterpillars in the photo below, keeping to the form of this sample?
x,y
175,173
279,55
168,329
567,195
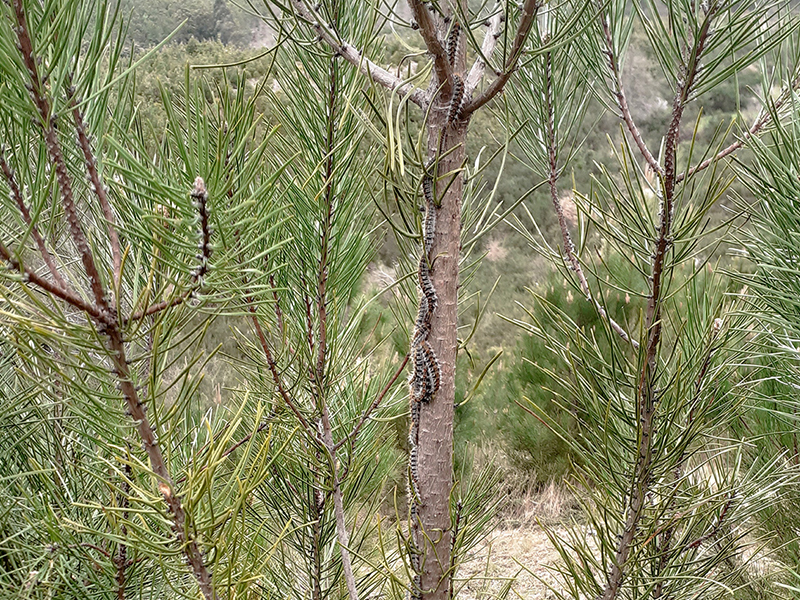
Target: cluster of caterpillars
x,y
425,377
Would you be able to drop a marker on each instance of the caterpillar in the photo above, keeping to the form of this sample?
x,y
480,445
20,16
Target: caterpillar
x,y
453,40
456,100
432,370
200,202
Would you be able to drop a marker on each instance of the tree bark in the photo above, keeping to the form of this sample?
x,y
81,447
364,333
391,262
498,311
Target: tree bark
x,y
435,467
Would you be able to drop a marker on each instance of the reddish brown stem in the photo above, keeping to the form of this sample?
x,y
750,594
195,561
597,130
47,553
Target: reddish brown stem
x,y
8,173
653,326
47,122
351,437
165,484
427,28
622,101
569,248
98,188
50,287
122,552
756,128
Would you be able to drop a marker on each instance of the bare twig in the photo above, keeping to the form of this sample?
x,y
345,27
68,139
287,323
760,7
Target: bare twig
x,y
666,537
8,173
355,57
478,69
160,306
717,526
276,376
351,437
762,121
165,484
529,10
622,101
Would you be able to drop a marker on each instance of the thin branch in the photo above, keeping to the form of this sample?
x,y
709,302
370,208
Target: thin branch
x,y
717,526
763,120
160,306
166,486
478,69
262,426
47,123
427,29
276,376
355,57
276,299
529,10
351,437
68,296
569,247
122,552
622,101
319,375
97,186
8,173
666,538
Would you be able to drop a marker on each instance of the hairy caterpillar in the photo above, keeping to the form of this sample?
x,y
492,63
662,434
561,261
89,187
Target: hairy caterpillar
x,y
456,100
453,41
200,202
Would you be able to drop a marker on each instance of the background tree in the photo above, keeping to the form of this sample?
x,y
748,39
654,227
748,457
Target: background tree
x,y
668,506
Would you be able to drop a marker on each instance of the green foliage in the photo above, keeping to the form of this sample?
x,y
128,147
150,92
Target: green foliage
x,y
205,20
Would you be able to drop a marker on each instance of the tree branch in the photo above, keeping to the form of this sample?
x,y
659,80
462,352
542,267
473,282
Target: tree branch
x,y
319,371
276,376
622,100
351,437
427,28
47,123
529,10
68,296
8,173
762,121
645,392
478,69
355,57
98,188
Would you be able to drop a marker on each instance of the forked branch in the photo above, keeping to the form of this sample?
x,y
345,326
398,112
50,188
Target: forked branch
x,y
761,122
427,28
646,392
529,10
619,95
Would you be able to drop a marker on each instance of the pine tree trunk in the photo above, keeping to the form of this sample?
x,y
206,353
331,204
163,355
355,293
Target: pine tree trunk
x,y
436,417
